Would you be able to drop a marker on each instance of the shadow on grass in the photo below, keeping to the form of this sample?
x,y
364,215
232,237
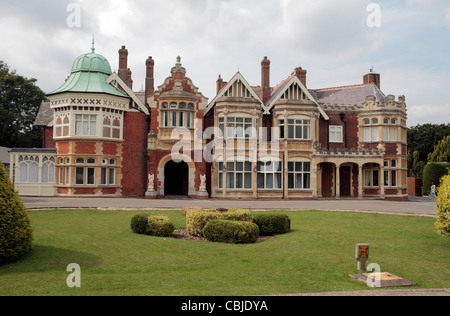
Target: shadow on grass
x,y
47,258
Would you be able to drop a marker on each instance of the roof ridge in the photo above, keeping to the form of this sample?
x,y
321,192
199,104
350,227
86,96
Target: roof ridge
x,y
342,87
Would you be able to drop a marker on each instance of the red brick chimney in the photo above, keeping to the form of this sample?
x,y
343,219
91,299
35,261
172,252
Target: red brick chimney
x,y
265,79
220,84
124,71
301,74
372,78
149,77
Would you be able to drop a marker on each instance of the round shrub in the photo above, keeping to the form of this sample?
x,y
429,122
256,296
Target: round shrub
x,y
197,219
139,223
160,226
271,224
16,233
235,232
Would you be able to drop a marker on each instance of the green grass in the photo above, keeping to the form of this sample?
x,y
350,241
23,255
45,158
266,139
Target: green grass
x,y
316,256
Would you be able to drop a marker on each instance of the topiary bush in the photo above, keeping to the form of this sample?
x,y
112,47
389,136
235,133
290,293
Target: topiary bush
x,y
161,226
153,225
271,224
443,206
197,219
16,233
236,232
139,223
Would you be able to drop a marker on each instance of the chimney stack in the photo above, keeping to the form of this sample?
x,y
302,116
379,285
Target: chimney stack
x,y
301,74
265,79
372,78
149,77
124,71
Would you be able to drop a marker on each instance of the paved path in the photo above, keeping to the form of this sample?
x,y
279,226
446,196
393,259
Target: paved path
x,y
415,206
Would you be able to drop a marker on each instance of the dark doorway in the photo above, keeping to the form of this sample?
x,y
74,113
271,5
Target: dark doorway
x,y
345,181
327,179
176,178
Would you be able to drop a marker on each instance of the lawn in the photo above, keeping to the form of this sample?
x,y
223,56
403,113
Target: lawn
x,y
316,256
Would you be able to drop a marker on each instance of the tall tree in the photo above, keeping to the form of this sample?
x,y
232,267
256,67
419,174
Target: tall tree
x,y
441,151
20,99
423,138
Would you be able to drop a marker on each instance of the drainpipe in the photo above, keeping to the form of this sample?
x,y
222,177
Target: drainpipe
x,y
342,115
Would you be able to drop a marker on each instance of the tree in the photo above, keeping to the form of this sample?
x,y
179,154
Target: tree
x,y
20,100
417,165
423,138
16,234
441,151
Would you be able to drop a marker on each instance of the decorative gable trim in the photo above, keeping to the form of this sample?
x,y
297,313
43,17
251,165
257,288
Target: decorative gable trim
x,y
293,89
124,86
237,87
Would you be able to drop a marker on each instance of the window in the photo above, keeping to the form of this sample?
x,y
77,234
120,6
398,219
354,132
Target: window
x,y
238,174
389,131
269,175
370,132
177,114
295,129
281,126
111,127
85,125
62,125
29,169
336,134
239,127
371,175
299,175
298,129
108,174
390,173
85,175
48,170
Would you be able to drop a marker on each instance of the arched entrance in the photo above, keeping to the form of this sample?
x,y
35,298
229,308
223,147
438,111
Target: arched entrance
x,y
176,178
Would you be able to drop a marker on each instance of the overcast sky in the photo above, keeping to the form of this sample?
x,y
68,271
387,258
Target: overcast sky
x,y
336,41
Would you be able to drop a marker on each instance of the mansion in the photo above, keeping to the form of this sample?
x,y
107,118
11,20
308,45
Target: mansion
x,y
288,141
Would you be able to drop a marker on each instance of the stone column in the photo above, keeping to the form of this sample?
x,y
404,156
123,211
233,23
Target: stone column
x,y
338,181
360,181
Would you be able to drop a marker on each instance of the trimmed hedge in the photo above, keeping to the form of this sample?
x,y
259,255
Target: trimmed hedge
x,y
139,223
433,172
443,206
196,220
271,224
235,232
160,226
16,233
152,225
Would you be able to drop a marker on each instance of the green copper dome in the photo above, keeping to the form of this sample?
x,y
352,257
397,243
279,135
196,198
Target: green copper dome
x,y
88,75
92,62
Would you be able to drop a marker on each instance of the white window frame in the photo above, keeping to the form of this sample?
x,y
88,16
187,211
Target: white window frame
x,y
271,172
336,134
299,168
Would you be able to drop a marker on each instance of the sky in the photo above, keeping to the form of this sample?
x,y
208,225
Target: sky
x,y
337,42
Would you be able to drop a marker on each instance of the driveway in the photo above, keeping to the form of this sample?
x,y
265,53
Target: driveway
x,y
414,206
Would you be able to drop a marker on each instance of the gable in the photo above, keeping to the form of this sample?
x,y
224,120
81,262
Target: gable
x,y
237,87
293,90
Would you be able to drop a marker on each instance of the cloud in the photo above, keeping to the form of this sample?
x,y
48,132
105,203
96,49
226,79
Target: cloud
x,y
447,17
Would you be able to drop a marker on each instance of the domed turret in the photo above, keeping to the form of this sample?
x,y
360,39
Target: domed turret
x,y
89,74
